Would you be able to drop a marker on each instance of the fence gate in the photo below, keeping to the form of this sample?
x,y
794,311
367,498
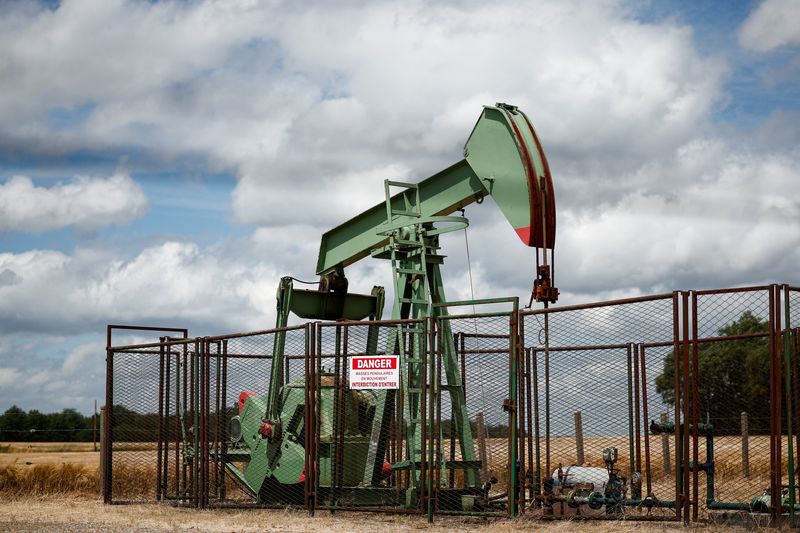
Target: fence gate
x,y
141,429
683,405
589,392
368,385
474,406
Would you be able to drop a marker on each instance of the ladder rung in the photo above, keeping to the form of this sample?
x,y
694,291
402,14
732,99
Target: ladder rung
x,y
451,387
413,389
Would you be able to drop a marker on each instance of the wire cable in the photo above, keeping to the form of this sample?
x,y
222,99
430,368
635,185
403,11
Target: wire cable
x,y
474,319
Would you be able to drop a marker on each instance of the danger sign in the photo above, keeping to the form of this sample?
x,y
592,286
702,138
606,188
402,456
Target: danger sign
x,y
374,372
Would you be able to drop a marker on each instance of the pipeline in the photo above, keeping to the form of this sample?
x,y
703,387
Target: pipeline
x,y
759,504
596,500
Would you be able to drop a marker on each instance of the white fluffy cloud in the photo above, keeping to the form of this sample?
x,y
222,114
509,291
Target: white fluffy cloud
x,y
85,203
311,116
714,215
292,104
8,376
74,378
173,283
604,90
774,23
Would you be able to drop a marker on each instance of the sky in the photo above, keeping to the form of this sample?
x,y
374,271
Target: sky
x,y
165,163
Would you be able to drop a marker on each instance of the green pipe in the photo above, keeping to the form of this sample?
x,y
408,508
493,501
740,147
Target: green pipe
x,y
196,406
595,500
630,413
512,415
728,506
708,467
535,365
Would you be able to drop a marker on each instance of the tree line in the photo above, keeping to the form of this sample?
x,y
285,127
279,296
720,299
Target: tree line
x,y
69,425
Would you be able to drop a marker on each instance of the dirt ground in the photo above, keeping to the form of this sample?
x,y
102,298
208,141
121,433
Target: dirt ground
x,y
69,511
81,514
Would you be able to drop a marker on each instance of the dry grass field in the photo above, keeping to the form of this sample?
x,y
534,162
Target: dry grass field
x,y
55,487
28,454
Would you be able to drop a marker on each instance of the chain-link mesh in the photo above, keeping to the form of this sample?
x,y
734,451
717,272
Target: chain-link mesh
x,y
187,416
589,446
586,407
257,438
794,307
732,388
143,426
791,421
658,404
472,431
371,412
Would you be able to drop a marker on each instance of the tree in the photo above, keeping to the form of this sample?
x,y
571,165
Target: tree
x,y
733,376
13,424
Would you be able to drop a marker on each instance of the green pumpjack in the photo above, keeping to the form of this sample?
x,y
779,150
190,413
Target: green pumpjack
x,y
502,159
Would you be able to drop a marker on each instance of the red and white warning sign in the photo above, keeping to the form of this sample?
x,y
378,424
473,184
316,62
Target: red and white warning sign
x,y
374,372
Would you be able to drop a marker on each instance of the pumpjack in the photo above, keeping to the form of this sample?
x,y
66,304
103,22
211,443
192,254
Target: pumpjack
x,y
502,159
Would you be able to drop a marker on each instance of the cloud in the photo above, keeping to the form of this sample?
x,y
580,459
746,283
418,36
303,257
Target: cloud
x,y
619,92
290,103
710,214
774,23
173,284
8,376
80,356
312,116
158,45
58,373
85,203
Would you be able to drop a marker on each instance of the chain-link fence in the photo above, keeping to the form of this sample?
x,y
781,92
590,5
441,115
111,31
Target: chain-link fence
x,y
370,394
474,397
140,424
673,406
726,397
589,451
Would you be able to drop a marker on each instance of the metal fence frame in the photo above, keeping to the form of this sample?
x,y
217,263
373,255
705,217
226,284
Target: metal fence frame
x,y
682,332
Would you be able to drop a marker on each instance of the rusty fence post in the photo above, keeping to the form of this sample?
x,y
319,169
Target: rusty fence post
x,y
578,438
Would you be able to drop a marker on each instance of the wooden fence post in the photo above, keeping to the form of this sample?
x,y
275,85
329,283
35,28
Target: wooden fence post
x,y
578,438
665,447
481,430
745,446
101,469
